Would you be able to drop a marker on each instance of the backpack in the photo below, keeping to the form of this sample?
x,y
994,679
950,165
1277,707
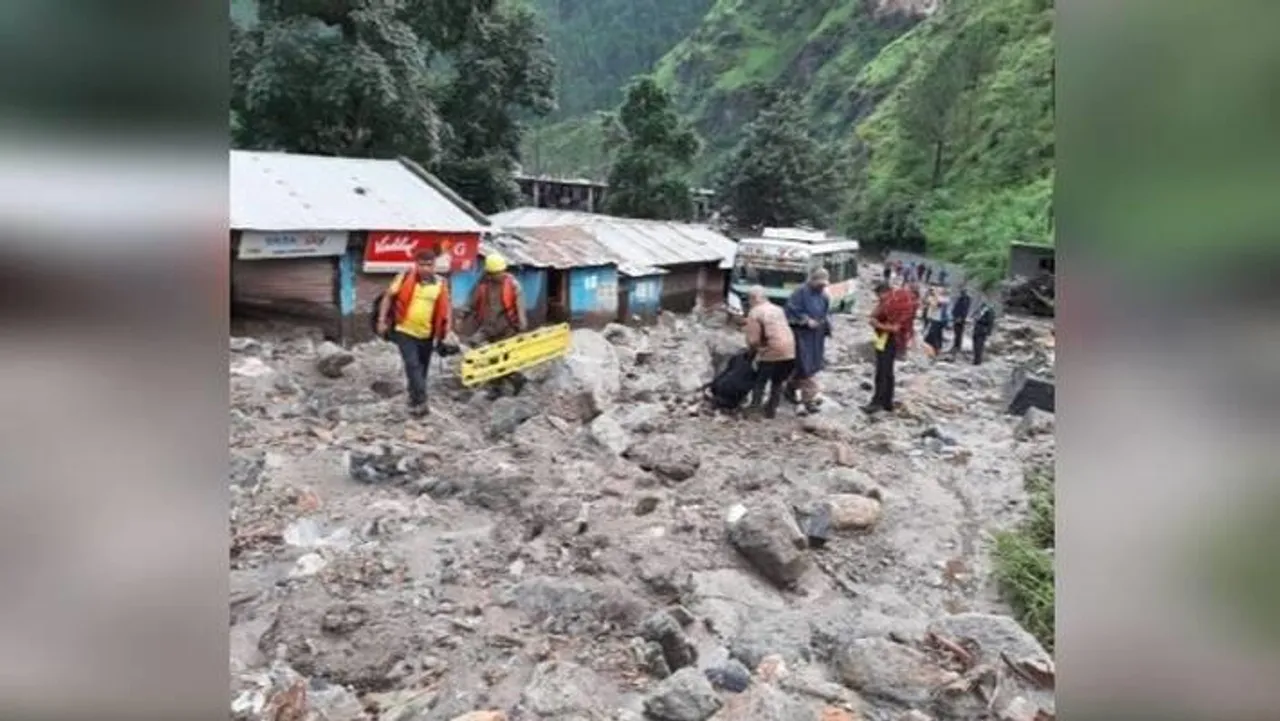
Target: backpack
x,y
728,389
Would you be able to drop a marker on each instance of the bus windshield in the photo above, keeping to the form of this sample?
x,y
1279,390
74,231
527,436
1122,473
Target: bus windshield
x,y
747,273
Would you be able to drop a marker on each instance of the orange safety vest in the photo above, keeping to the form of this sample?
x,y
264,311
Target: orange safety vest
x,y
509,300
439,315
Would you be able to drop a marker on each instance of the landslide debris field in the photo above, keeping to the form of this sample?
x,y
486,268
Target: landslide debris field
x,y
605,547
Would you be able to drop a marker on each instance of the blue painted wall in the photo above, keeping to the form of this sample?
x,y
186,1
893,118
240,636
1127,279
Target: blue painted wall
x,y
593,293
644,295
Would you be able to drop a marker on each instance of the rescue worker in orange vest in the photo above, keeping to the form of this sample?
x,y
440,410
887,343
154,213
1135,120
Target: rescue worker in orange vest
x,y
499,313
416,307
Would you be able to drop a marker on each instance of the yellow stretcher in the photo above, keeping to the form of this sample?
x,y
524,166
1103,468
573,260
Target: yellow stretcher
x,y
516,353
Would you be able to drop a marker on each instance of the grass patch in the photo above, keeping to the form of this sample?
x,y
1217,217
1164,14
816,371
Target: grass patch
x,y
1024,561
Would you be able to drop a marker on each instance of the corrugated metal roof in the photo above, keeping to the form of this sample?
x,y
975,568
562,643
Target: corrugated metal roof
x,y
634,242
284,191
562,246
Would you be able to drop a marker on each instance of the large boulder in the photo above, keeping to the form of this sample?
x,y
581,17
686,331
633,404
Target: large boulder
x,y
880,668
332,359
686,695
587,380
559,689
767,535
663,629
666,455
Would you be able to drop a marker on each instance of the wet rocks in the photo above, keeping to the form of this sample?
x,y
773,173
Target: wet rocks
x,y
678,651
729,676
609,434
667,456
381,464
852,512
880,668
506,414
767,535
1034,423
560,689
332,359
686,696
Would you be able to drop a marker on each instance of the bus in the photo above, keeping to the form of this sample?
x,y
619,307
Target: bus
x,y
780,261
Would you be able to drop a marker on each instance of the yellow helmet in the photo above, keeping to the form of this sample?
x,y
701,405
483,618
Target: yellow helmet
x,y
494,263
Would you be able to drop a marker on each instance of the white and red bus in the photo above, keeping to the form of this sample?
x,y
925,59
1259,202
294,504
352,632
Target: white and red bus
x,y
781,259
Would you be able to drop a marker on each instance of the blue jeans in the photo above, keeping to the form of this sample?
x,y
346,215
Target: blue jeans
x,y
416,354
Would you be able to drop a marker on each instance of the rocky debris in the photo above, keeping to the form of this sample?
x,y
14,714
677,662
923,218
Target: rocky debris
x,y
646,505
560,689
852,512
570,606
766,633
678,651
850,480
247,469
1034,422
766,534
766,701
641,418
649,657
386,389
1032,295
251,367
880,668
621,335
1026,390
506,414
729,676
382,464
332,359
667,456
609,434
239,344
586,382
686,695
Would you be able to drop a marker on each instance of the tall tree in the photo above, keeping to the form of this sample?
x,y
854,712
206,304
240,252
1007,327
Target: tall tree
x,y
441,81
779,174
654,152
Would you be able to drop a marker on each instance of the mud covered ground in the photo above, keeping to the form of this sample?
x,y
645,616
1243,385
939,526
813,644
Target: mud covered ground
x,y
606,547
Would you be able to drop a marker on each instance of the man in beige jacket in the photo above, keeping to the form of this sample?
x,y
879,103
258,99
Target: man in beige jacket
x,y
770,336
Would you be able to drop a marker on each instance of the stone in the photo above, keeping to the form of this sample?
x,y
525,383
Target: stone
x,y
560,689
244,345
945,436
332,359
649,657
768,537
609,434
247,469
831,713
569,606
661,628
619,334
386,389
994,634
667,456
915,715
772,669
587,380
686,696
729,676
250,367
506,414
1034,422
880,668
824,427
646,505
853,512
764,702
641,417
333,702
851,480
1026,391
764,633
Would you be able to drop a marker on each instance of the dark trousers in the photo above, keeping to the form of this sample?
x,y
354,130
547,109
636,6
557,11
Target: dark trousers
x,y
959,330
416,354
933,337
773,374
979,342
882,396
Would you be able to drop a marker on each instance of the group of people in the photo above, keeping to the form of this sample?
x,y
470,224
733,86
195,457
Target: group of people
x,y
789,341
914,272
416,314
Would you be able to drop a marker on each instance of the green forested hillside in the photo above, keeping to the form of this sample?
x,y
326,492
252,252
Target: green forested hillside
x,y
942,123
599,45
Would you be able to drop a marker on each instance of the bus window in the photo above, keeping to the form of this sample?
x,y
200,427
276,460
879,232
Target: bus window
x,y
842,265
747,273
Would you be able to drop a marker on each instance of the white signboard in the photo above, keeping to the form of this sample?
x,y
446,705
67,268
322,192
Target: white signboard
x,y
254,246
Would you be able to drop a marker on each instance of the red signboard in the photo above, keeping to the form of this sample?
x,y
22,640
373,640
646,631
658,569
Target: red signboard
x,y
392,251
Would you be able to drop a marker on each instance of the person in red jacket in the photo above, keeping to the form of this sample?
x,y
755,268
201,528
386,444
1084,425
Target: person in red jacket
x,y
498,310
416,309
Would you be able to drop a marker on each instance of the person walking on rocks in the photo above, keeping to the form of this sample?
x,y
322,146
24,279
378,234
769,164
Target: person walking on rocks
x,y
498,309
959,315
769,335
892,321
936,312
983,323
416,308
808,312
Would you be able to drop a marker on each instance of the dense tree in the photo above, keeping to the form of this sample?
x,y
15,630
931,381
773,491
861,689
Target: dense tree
x,y
442,81
779,175
654,151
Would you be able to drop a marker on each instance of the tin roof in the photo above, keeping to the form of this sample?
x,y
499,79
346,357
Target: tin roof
x,y
635,243
284,191
562,246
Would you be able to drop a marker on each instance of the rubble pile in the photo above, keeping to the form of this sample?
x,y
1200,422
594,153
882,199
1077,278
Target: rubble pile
x,y
606,546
